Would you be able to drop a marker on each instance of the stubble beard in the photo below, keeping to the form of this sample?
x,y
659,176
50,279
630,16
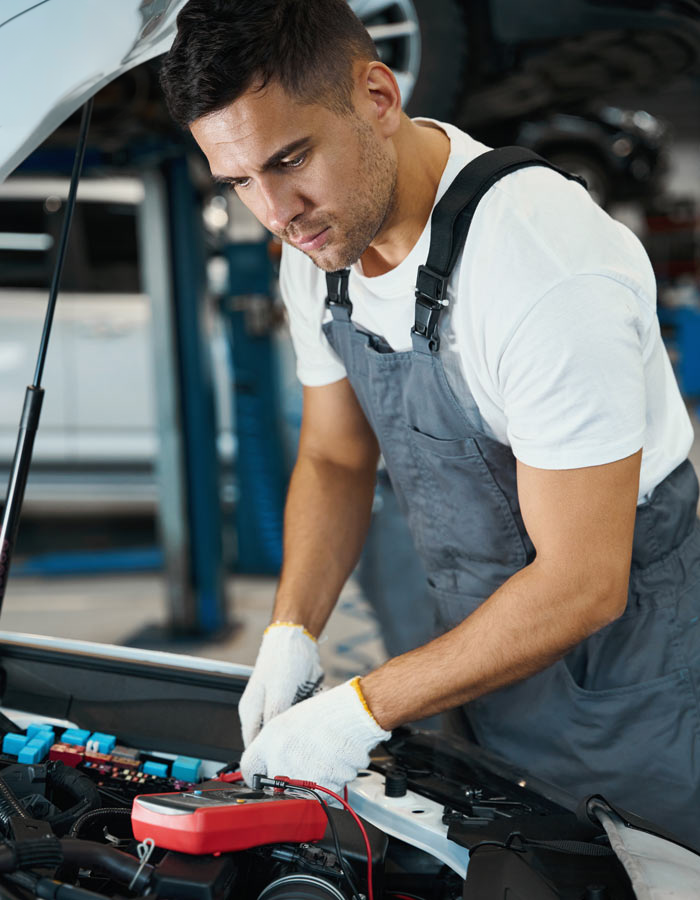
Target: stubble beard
x,y
352,235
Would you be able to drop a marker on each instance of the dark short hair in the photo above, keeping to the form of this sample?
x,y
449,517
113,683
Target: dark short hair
x,y
223,47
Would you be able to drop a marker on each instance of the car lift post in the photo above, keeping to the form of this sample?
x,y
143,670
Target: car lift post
x,y
187,465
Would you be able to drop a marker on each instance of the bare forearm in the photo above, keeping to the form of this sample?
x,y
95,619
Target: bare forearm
x,y
326,520
527,624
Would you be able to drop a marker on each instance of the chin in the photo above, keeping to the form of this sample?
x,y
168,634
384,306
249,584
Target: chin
x,y
331,262
333,258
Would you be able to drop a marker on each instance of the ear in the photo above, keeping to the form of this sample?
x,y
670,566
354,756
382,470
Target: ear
x,y
377,94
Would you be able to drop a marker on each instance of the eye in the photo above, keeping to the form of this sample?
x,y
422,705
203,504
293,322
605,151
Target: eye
x,y
239,183
295,162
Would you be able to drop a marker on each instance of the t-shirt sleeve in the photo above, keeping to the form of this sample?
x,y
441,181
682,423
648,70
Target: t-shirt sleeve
x,y
572,379
302,290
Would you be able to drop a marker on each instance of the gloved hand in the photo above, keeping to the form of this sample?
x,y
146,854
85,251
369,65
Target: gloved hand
x,y
325,739
287,670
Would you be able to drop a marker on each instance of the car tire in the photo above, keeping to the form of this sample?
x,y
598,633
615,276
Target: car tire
x,y
442,79
425,43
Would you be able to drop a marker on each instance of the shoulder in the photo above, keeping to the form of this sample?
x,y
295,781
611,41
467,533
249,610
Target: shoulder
x,y
551,227
533,231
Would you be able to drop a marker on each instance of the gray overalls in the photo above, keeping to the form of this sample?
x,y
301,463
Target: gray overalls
x,y
619,714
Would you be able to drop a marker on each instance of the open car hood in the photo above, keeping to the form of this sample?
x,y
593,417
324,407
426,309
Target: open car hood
x,y
55,54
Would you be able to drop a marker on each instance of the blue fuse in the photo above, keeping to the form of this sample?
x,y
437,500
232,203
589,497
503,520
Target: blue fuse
x,y
13,743
103,743
186,768
33,751
154,768
36,727
46,740
76,736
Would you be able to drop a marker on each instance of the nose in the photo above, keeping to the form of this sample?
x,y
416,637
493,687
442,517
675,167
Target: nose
x,y
283,204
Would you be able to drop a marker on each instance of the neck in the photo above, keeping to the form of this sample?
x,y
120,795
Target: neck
x,y
422,153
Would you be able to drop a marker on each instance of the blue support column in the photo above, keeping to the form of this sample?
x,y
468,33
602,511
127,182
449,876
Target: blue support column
x,y
261,468
196,396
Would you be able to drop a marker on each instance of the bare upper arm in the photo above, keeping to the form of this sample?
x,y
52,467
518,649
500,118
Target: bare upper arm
x,y
581,522
334,428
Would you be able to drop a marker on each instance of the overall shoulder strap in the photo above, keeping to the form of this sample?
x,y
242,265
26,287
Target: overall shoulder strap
x,y
450,223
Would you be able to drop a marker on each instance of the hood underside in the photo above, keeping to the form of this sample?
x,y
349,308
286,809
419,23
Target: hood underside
x,y
69,50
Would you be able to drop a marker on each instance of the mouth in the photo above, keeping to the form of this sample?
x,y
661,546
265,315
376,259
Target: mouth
x,y
311,241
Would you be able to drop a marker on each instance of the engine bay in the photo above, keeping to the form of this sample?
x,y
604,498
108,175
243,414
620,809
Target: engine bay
x,y
95,818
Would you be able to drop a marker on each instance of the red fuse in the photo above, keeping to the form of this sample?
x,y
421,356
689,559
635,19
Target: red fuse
x,y
224,820
70,754
95,756
124,762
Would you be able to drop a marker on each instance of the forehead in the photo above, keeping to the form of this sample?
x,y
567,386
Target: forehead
x,y
259,123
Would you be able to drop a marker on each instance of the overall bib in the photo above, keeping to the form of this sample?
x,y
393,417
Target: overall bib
x,y
619,714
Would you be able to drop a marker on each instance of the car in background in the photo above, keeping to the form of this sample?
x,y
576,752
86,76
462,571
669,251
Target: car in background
x,y
478,62
97,441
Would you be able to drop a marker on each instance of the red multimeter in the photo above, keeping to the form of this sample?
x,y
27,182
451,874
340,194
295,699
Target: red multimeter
x,y
225,819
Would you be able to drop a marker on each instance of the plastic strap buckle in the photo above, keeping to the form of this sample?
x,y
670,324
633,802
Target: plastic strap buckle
x,y
431,285
431,297
337,286
426,324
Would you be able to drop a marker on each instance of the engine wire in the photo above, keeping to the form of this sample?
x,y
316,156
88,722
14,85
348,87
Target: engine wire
x,y
352,812
298,783
344,867
96,814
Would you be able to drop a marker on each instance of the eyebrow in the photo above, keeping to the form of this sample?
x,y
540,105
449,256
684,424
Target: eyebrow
x,y
269,163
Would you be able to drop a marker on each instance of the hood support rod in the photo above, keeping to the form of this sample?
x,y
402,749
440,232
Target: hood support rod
x,y
34,395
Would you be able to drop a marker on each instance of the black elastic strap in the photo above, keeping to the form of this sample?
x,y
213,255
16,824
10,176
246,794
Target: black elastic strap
x,y
450,223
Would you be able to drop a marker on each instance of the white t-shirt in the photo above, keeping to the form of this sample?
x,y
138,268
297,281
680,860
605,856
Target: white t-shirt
x,y
551,323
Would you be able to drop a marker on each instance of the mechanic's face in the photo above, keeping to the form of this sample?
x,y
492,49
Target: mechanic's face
x,y
321,181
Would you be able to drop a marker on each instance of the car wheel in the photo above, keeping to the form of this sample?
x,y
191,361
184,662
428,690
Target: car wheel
x,y
424,42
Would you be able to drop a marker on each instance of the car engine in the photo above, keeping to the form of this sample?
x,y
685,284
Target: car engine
x,y
423,822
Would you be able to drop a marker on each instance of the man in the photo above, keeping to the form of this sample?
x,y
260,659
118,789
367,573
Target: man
x,y
528,417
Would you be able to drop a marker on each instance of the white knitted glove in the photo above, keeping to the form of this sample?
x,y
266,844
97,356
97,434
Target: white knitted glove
x,y
325,739
287,670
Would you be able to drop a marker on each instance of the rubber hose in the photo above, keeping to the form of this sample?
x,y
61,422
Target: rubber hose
x,y
73,851
78,786
42,853
52,890
119,865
